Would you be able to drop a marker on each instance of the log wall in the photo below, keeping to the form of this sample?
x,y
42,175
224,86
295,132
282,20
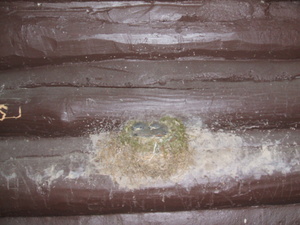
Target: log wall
x,y
73,70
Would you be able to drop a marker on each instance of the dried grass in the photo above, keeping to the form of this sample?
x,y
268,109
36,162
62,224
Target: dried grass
x,y
125,155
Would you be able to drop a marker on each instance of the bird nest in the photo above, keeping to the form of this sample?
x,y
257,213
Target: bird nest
x,y
156,149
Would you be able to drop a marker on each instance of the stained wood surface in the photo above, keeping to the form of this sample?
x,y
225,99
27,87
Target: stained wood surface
x,y
45,176
181,74
287,214
70,111
77,99
53,33
71,70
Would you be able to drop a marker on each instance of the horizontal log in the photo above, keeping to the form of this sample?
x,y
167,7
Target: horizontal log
x,y
58,176
58,111
163,74
51,33
209,86
287,214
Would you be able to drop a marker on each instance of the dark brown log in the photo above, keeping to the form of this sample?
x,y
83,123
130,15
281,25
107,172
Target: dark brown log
x,y
163,74
228,67
285,215
55,177
57,111
52,33
76,99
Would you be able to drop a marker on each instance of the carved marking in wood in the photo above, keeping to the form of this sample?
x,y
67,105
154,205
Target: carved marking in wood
x,y
3,113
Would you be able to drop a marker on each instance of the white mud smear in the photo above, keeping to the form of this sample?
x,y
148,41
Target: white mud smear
x,y
223,155
218,156
44,178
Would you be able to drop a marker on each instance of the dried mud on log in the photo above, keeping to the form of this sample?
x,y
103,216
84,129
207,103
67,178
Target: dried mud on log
x,y
86,87
62,176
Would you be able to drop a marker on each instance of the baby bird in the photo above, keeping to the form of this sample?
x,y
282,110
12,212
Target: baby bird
x,y
155,129
141,129
158,129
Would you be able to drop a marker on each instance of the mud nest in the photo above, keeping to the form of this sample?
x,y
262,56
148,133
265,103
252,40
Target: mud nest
x,y
155,149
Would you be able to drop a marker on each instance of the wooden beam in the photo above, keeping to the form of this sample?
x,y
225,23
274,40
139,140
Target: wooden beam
x,y
51,177
38,33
